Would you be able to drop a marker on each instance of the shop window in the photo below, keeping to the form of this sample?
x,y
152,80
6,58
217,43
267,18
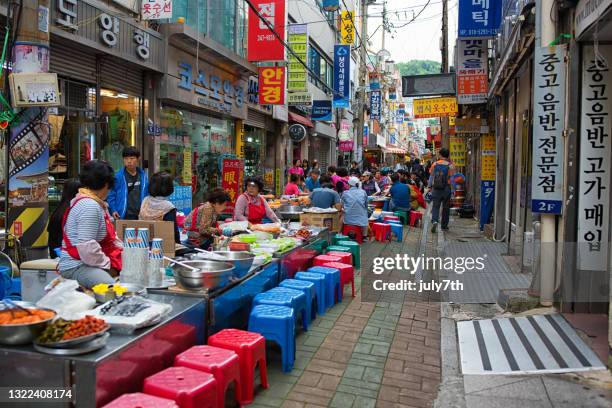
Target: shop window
x,y
189,10
254,151
321,65
223,13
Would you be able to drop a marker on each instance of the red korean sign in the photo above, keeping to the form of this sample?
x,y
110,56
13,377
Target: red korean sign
x,y
263,44
232,174
272,85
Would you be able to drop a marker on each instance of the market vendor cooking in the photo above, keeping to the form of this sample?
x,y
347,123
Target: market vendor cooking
x,y
251,206
91,252
201,223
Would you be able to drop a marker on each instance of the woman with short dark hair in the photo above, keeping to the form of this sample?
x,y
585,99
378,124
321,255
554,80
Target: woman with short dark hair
x,y
251,206
91,251
55,230
156,206
201,223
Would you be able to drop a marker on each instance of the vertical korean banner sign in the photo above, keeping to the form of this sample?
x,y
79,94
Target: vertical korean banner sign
x,y
342,65
272,85
595,160
548,119
487,179
263,44
375,108
232,174
472,78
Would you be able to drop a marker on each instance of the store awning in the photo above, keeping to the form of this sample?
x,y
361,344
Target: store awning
x,y
394,150
325,130
294,117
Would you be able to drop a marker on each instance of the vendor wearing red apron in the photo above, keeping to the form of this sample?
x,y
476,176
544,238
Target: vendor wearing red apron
x,y
201,223
91,252
251,206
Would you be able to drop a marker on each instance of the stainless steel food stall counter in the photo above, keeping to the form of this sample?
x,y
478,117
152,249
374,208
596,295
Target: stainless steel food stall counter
x,y
120,367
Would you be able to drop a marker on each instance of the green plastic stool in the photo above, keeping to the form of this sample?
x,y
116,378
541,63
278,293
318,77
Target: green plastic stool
x,y
341,248
355,250
339,238
319,246
403,216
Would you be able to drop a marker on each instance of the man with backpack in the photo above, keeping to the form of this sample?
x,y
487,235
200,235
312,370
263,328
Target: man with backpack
x,y
440,184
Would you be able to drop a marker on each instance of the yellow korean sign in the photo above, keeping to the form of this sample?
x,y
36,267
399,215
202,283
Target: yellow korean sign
x,y
457,151
488,163
451,120
434,107
347,27
297,37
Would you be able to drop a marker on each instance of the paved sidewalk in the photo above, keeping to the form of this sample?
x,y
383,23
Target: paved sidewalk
x,y
366,354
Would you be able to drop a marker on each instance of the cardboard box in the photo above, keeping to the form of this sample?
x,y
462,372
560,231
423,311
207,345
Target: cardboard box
x,y
157,229
329,220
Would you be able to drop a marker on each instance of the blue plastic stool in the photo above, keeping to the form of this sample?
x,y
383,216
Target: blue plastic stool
x,y
276,323
332,284
296,301
319,282
301,303
397,229
309,290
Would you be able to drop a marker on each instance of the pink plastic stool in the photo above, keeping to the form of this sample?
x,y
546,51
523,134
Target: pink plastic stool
x,y
345,257
415,218
323,259
140,400
382,231
347,274
390,217
187,387
251,349
223,364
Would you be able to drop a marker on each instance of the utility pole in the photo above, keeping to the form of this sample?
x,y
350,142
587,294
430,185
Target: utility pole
x,y
363,72
28,212
445,69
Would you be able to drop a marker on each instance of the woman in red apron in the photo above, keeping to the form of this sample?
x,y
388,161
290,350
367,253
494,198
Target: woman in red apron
x,y
91,252
251,206
201,223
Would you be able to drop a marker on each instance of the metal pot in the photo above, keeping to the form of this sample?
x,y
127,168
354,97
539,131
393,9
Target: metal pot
x,y
18,334
209,276
241,260
290,212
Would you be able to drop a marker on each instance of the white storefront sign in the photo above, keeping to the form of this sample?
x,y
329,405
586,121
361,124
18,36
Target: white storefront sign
x,y
156,9
472,78
595,160
548,126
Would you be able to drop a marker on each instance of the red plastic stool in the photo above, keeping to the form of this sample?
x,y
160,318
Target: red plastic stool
x,y
345,257
251,349
323,259
390,217
356,229
347,274
415,217
223,364
187,387
382,231
140,400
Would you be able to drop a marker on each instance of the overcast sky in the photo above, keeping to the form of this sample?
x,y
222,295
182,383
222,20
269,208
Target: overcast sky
x,y
419,39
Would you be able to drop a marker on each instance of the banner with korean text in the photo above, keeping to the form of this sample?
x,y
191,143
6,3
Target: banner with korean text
x,y
472,78
156,9
232,174
375,105
479,18
434,107
548,119
271,85
342,74
297,38
457,151
595,160
487,178
263,45
347,27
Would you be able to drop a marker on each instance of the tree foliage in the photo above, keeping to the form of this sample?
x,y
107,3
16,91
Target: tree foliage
x,y
419,67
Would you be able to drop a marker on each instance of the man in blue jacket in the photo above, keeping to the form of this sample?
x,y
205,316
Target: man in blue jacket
x,y
131,187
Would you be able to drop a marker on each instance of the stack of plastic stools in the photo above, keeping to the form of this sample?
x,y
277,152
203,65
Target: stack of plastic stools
x,y
356,251
223,364
140,400
296,301
347,275
309,290
323,259
415,218
319,282
397,229
382,231
337,248
391,218
251,350
276,323
301,303
339,238
189,388
403,216
332,284
345,257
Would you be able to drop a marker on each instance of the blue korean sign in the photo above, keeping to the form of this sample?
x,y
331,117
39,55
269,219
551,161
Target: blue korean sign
x,y
479,18
181,198
321,110
399,116
342,66
375,107
487,201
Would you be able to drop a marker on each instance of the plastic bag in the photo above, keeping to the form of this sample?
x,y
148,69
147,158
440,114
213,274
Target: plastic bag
x,y
66,301
149,313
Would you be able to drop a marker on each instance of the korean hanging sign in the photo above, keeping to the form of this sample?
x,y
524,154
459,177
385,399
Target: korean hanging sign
x,y
595,160
272,85
347,27
434,107
156,9
549,113
487,178
298,41
457,151
342,67
375,105
479,18
472,78
232,173
263,45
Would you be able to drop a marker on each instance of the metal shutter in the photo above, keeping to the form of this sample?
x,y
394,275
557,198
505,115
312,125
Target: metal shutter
x,y
255,119
73,62
321,152
121,76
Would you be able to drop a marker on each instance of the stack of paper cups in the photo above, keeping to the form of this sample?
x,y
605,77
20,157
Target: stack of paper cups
x,y
156,264
135,257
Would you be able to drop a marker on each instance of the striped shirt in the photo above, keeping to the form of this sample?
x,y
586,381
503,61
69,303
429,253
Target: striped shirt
x,y
85,222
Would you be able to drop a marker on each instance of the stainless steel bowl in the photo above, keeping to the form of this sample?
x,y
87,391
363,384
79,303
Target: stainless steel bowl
x,y
209,276
290,212
18,334
241,260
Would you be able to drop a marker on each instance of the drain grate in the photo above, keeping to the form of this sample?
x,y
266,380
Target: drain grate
x,y
520,345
